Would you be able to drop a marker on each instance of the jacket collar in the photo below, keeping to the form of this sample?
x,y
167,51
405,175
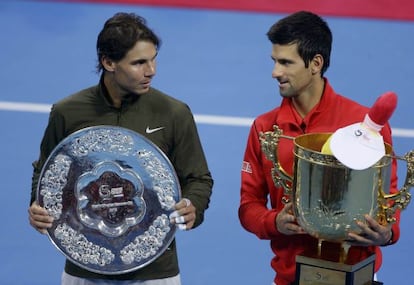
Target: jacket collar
x,y
103,92
288,112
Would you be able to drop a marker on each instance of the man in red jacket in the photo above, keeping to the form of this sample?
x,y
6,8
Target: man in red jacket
x,y
301,46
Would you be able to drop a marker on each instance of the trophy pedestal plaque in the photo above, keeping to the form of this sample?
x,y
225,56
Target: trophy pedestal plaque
x,y
314,271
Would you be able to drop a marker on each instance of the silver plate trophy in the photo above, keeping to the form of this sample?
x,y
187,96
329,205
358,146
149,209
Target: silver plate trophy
x,y
110,191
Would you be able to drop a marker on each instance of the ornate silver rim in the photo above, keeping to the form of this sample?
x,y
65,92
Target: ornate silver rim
x,y
110,191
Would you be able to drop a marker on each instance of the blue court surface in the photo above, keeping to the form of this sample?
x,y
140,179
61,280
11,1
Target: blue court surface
x,y
219,63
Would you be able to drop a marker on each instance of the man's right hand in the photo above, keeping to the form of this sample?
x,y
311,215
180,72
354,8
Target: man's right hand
x,y
286,222
39,218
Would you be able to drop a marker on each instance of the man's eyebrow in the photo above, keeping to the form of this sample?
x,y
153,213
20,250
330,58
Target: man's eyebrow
x,y
142,60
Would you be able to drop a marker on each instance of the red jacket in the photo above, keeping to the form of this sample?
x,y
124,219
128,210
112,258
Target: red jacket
x,y
333,111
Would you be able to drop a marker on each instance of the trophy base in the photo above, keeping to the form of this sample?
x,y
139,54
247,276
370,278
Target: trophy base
x,y
313,271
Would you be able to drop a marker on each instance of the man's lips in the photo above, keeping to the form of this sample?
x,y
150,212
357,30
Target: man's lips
x,y
283,83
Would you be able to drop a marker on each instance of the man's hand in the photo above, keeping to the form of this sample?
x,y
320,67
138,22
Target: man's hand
x,y
372,233
184,214
39,218
286,222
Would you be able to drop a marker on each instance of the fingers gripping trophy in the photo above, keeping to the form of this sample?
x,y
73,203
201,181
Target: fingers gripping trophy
x,y
338,179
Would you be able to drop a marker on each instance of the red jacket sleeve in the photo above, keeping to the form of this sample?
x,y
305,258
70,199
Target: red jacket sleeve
x,y
386,133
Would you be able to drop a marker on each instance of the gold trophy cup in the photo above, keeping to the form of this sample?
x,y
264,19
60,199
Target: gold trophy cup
x,y
329,197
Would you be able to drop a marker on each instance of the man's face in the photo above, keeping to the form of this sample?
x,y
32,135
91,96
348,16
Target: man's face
x,y
133,73
290,71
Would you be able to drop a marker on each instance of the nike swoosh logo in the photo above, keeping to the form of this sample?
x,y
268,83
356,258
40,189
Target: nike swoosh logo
x,y
150,131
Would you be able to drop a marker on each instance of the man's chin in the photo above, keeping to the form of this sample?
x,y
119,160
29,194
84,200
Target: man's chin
x,y
142,91
286,94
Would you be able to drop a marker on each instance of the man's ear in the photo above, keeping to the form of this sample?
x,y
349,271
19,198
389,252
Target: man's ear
x,y
108,64
316,64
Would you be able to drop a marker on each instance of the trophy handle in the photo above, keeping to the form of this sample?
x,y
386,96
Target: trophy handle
x,y
402,198
269,142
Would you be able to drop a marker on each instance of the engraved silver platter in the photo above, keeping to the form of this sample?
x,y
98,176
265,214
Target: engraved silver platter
x,y
110,191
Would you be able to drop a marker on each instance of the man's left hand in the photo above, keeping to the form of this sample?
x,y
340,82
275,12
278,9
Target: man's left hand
x,y
372,233
184,214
